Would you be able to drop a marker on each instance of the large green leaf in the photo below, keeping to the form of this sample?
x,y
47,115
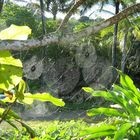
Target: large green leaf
x,y
104,94
100,134
122,101
128,83
106,111
7,59
10,68
97,129
10,71
128,93
15,33
43,97
10,76
119,135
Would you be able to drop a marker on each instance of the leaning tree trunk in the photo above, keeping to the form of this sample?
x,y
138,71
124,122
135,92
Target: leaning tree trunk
x,y
1,5
43,17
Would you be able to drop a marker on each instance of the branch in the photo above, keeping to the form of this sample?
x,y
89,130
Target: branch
x,y
69,14
18,45
68,38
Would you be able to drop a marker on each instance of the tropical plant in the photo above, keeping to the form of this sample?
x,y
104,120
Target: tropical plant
x,y
55,6
12,86
124,113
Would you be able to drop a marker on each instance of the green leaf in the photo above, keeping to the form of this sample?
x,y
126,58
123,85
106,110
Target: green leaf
x,y
15,33
44,97
105,111
97,129
10,71
119,135
128,93
124,103
127,82
21,90
104,94
7,59
100,134
88,89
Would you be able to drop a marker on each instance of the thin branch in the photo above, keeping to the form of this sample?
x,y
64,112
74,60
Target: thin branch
x,y
68,38
5,113
69,14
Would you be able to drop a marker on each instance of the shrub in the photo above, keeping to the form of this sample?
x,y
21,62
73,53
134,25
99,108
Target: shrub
x,y
125,113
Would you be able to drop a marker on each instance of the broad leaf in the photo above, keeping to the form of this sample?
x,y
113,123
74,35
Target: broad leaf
x,y
104,94
122,131
10,71
15,33
105,111
44,97
100,134
128,83
128,93
97,129
10,68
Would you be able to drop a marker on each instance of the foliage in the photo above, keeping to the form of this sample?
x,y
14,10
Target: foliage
x,y
50,130
126,111
81,26
51,25
14,14
11,83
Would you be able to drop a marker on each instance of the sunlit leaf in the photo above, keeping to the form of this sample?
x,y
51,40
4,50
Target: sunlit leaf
x,y
122,131
97,129
128,93
88,89
10,71
44,97
100,134
127,82
15,33
105,111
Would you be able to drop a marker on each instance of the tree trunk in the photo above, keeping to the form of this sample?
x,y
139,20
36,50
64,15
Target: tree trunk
x,y
124,52
43,17
114,59
1,5
114,47
54,17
